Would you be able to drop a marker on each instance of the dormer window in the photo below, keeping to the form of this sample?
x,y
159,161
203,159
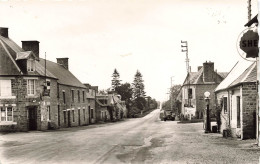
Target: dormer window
x,y
30,65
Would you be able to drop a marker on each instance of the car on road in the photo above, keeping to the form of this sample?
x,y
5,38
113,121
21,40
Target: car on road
x,y
167,115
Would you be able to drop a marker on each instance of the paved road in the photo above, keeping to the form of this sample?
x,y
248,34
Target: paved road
x,y
142,140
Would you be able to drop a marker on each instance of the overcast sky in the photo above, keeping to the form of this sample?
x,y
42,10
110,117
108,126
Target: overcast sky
x,y
129,35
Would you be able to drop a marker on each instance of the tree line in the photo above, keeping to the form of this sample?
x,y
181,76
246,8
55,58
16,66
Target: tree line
x,y
134,95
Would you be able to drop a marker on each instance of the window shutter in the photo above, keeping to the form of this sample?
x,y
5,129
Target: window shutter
x,y
6,88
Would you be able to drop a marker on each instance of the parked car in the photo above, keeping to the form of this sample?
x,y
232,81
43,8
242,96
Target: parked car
x,y
167,115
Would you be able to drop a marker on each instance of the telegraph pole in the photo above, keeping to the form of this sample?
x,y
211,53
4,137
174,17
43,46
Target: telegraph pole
x,y
184,47
249,10
171,93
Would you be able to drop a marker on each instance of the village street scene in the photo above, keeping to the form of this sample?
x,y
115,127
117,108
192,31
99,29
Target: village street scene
x,y
129,82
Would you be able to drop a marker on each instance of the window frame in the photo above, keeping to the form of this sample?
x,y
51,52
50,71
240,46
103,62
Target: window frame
x,y
225,105
64,97
29,89
4,88
72,95
5,109
78,96
31,65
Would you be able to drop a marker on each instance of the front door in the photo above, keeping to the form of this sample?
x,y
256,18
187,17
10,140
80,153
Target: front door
x,y
32,115
69,123
79,115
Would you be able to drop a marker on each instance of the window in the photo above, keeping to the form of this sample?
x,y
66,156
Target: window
x,y
30,65
48,113
72,95
84,114
64,97
6,113
238,112
78,96
73,116
83,96
190,93
64,117
47,88
225,104
92,113
5,88
31,87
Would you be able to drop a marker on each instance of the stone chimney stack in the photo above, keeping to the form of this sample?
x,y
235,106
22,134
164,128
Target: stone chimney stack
x,y
64,62
4,32
208,71
32,45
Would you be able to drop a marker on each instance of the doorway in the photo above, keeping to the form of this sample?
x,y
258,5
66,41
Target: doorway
x,y
69,123
32,116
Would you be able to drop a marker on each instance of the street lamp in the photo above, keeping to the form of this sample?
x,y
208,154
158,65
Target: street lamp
x,y
207,127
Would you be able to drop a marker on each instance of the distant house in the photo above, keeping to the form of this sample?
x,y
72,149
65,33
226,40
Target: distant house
x,y
36,94
91,98
109,107
236,97
194,86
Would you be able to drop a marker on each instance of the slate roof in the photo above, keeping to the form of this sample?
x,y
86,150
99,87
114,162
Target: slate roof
x,y
23,55
252,21
243,71
14,53
197,77
63,75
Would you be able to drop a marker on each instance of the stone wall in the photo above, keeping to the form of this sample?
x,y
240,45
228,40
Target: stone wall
x,y
72,113
200,99
249,94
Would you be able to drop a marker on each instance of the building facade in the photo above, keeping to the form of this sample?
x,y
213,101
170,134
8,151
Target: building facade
x,y
236,97
193,88
37,94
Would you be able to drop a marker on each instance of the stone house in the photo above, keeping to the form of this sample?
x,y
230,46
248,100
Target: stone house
x,y
110,107
36,94
103,111
91,98
72,107
236,97
192,92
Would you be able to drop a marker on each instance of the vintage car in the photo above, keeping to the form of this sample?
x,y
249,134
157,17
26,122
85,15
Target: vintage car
x,y
167,115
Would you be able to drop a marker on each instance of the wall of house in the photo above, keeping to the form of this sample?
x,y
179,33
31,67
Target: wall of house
x,y
72,113
92,105
200,99
223,115
249,95
185,98
22,102
235,128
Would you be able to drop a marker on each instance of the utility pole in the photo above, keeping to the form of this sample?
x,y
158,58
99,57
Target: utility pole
x,y
249,10
171,93
187,60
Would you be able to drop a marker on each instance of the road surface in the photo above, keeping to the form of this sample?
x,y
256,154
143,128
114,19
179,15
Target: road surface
x,y
140,140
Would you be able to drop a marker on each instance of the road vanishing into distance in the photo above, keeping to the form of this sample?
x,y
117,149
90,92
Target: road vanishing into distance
x,y
138,140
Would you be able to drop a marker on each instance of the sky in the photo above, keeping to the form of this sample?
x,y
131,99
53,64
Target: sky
x,y
100,35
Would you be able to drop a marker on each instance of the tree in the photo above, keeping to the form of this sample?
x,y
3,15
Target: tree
x,y
138,85
125,91
115,79
176,104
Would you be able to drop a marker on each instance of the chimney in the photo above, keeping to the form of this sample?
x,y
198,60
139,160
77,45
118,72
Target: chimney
x,y
208,72
199,67
64,62
4,32
32,45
